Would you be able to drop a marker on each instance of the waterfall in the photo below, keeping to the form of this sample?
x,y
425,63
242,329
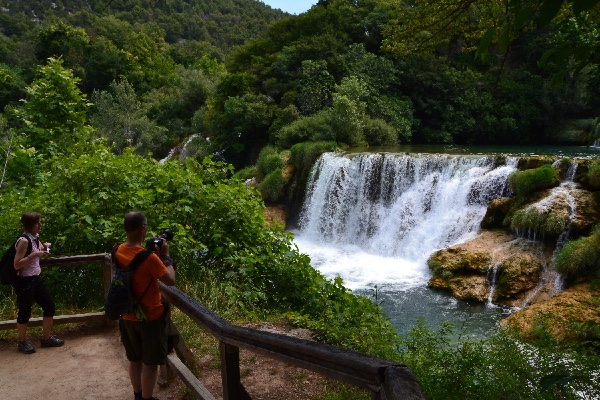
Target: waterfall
x,y
493,273
400,205
179,148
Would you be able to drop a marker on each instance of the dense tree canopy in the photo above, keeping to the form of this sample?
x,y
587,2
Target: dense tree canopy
x,y
93,92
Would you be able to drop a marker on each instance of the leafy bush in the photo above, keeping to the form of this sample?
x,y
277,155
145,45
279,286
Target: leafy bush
x,y
315,127
532,219
499,367
380,133
523,183
272,187
594,175
268,161
305,154
245,173
581,256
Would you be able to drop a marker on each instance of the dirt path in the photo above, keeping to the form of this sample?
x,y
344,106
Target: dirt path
x,y
92,365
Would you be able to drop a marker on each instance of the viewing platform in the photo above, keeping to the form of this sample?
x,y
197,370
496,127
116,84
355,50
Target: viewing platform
x,y
92,364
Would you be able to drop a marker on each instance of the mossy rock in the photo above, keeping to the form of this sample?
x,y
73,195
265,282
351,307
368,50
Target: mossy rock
x,y
573,314
459,261
496,212
533,162
517,274
470,288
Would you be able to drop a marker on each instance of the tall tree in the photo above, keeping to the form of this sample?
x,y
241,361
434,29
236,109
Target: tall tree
x,y
54,113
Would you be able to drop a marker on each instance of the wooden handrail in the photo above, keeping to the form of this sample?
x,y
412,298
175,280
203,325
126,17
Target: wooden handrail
x,y
385,379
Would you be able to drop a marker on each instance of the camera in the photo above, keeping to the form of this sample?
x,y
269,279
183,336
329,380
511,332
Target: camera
x,y
157,241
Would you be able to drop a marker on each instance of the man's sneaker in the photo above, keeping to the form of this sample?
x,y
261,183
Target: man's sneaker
x,y
26,347
52,341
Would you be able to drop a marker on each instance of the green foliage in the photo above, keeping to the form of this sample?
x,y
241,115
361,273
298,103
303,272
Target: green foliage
x,y
594,175
548,223
11,85
524,183
380,133
272,186
120,118
499,367
580,257
305,129
54,113
245,173
60,40
268,161
304,155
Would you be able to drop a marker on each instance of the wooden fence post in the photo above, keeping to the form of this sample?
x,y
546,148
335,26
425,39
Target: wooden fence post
x,y
230,373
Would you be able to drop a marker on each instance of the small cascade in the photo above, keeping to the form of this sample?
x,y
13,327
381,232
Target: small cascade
x,y
561,194
181,149
492,277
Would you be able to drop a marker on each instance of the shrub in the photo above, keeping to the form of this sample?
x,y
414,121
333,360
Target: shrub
x,y
380,133
268,161
314,128
594,175
498,367
245,173
305,154
546,223
523,183
581,256
272,187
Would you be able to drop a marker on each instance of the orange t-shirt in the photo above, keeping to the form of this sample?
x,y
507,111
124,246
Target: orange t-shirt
x,y
146,274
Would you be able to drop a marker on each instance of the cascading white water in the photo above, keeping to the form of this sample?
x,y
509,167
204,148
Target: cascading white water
x,y
376,218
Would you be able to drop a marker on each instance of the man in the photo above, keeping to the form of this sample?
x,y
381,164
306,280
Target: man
x,y
144,338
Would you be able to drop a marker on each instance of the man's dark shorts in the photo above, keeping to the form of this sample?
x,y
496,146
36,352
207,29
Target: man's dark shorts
x,y
145,341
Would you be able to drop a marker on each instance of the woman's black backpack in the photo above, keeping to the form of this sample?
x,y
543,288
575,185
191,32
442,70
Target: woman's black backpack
x,y
8,273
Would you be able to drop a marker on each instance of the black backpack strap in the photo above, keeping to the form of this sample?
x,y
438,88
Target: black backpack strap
x,y
136,262
29,247
29,243
138,259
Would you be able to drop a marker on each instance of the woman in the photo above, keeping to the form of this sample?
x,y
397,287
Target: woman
x,y
29,286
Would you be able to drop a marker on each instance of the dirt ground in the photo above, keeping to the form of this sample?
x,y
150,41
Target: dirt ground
x,y
92,365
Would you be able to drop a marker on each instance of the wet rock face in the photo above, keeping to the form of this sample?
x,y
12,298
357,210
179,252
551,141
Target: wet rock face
x,y
493,265
586,213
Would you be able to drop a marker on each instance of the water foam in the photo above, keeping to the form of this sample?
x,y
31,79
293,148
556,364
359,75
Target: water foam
x,y
374,219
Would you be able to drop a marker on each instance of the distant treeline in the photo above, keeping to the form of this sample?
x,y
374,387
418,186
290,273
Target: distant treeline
x,y
245,76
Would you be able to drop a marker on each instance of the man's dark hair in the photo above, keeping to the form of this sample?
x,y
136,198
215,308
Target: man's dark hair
x,y
134,221
29,219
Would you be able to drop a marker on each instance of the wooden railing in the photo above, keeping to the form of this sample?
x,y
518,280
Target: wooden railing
x,y
386,380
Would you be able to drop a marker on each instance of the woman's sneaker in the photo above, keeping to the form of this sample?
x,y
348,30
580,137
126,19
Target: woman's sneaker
x,y
52,341
26,347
